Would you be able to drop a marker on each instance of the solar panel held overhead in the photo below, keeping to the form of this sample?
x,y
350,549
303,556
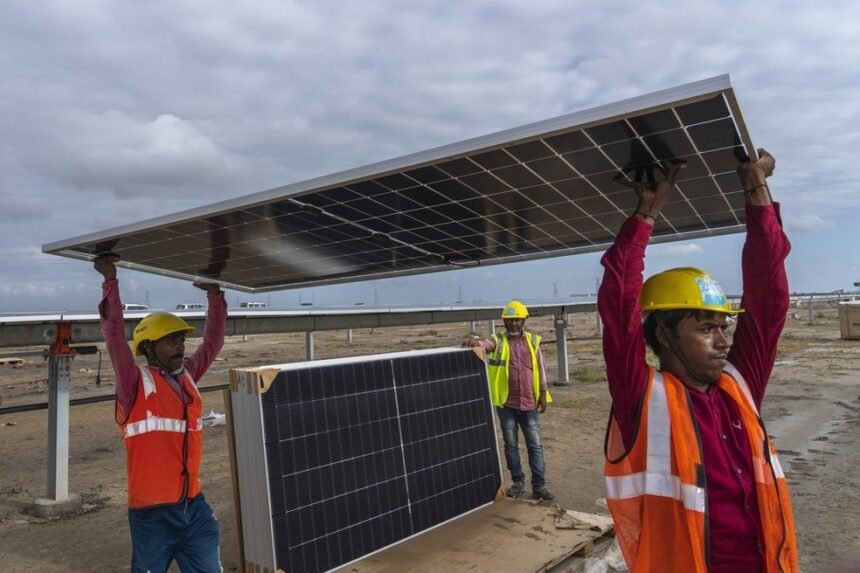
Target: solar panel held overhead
x,y
541,190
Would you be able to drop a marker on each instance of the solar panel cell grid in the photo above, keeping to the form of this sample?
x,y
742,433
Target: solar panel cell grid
x,y
526,184
364,453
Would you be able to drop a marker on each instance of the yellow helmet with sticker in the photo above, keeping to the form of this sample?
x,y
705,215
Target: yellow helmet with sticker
x,y
684,287
515,309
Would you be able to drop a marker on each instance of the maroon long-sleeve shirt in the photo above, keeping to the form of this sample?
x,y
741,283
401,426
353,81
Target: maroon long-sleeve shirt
x,y
122,358
734,529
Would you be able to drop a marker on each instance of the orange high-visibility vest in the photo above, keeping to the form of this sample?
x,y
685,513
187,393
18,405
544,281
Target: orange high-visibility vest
x,y
657,490
163,442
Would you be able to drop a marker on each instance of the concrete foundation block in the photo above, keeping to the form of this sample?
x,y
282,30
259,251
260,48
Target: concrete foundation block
x,y
57,507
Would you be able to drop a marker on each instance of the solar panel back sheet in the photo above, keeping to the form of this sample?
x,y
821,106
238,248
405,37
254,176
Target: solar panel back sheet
x,y
337,459
542,190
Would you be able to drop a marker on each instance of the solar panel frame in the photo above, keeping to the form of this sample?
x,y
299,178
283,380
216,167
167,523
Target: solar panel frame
x,y
313,509
541,190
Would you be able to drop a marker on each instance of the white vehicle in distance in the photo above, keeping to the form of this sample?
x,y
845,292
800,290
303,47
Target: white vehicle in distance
x,y
247,304
191,306
134,306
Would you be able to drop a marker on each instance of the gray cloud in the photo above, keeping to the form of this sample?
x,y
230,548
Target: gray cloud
x,y
116,112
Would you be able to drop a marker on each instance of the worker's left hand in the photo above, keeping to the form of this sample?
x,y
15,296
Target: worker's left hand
x,y
541,405
210,288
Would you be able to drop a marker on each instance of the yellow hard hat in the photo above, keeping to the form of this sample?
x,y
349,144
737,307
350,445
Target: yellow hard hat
x,y
515,309
157,325
684,287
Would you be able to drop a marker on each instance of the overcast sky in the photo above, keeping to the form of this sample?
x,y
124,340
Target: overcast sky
x,y
113,112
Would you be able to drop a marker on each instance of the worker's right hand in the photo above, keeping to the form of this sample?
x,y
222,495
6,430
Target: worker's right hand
x,y
652,196
106,265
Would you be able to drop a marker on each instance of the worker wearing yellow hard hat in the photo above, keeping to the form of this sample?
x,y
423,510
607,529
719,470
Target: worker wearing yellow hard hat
x,y
684,287
518,390
159,412
693,481
515,310
155,326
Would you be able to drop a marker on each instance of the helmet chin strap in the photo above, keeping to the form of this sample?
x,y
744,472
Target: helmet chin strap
x,y
677,351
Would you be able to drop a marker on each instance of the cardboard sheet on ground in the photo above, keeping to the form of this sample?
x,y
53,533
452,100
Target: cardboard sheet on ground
x,y
508,535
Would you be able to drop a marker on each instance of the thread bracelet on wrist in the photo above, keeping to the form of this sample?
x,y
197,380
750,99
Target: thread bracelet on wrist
x,y
754,187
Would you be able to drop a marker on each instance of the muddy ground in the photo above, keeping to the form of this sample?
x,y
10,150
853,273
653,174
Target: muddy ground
x,y
812,409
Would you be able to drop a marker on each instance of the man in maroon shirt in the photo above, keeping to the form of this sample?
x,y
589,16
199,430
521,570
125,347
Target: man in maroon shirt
x,y
518,391
694,347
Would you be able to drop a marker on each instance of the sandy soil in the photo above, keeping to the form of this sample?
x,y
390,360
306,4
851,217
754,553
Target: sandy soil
x,y
812,409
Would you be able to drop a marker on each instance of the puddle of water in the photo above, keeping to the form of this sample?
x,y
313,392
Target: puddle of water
x,y
802,428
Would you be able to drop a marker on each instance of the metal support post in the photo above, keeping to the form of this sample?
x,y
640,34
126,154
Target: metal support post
x,y
349,336
811,312
472,326
491,329
561,348
59,369
598,323
309,345
60,358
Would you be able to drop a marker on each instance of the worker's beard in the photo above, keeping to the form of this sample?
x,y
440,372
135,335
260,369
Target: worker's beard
x,y
514,333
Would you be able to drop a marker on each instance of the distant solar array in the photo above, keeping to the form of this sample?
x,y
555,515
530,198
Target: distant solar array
x,y
542,190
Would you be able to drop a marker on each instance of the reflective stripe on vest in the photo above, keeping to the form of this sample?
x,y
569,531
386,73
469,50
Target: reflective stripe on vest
x,y
657,479
163,439
644,483
498,368
148,382
665,463
156,424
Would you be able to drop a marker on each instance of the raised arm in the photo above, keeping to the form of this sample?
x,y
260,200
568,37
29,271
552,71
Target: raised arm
x,y
618,301
113,330
765,285
213,333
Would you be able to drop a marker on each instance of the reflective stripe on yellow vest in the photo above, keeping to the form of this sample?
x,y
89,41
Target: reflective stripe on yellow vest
x,y
656,491
498,367
163,439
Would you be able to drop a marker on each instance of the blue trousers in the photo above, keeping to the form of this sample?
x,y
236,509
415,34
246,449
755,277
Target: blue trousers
x,y
187,532
510,419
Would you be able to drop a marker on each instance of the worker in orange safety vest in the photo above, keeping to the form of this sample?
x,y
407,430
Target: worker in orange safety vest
x,y
159,411
693,481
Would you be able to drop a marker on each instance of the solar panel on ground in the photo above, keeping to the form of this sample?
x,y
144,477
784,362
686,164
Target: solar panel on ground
x,y
340,458
541,190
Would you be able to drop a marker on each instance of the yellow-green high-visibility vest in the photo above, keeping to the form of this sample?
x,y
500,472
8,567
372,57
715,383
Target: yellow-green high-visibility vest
x,y
498,367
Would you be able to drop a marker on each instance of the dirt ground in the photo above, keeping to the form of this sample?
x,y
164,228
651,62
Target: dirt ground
x,y
812,409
